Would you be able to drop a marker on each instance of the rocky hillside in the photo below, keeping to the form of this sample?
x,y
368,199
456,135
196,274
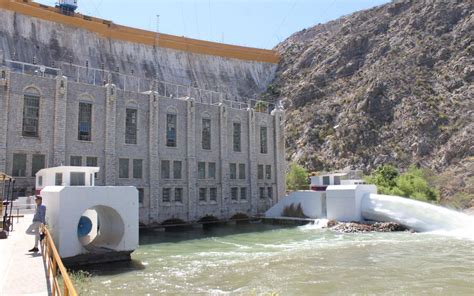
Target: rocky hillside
x,y
393,84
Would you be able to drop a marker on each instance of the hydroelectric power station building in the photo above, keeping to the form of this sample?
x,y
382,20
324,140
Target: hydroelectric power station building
x,y
176,117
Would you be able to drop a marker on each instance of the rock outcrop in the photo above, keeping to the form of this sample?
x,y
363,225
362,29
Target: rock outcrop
x,y
393,84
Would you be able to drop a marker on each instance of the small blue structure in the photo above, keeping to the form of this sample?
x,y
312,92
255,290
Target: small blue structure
x,y
67,6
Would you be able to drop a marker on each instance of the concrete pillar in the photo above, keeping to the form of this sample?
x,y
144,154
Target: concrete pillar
x,y
59,128
224,161
280,162
110,119
4,106
253,166
191,159
154,159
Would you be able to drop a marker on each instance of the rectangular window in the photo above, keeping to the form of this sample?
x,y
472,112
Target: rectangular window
x,y
171,130
325,180
166,194
131,126
40,180
75,161
263,140
261,192
234,193
243,193
268,171
202,194
141,195
58,179
77,179
19,165
270,192
178,195
123,168
91,161
165,169
201,170
337,180
236,137
85,122
213,194
233,171
211,170
137,168
260,172
38,162
241,171
31,107
177,165
206,133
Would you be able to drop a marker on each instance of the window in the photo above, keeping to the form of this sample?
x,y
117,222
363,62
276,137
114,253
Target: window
x,y
91,161
213,194
270,192
123,168
31,104
243,193
202,194
171,130
131,126
325,180
40,180
58,179
178,195
165,169
337,180
268,171
75,161
241,171
201,170
37,163
234,191
211,170
206,133
141,195
263,140
236,137
233,171
137,168
78,179
19,165
177,165
262,192
166,194
85,122
260,172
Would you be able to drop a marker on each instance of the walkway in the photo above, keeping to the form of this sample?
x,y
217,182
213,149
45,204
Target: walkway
x,y
21,273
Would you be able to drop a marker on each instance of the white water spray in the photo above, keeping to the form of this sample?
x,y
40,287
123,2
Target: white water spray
x,y
417,215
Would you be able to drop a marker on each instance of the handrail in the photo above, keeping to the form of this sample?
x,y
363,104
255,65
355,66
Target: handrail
x,y
53,263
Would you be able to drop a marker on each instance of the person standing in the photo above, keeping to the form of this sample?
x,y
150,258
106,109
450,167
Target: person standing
x,y
38,219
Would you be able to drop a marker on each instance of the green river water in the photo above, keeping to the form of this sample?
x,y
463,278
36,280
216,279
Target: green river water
x,y
259,259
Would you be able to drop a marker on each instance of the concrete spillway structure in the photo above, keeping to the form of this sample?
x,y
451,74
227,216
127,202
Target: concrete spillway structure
x,y
29,31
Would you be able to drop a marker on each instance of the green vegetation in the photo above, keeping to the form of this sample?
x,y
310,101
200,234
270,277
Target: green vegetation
x,y
296,177
412,184
261,106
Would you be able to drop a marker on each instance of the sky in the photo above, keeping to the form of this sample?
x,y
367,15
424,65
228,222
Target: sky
x,y
254,23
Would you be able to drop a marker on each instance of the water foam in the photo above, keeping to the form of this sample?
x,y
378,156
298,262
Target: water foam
x,y
420,216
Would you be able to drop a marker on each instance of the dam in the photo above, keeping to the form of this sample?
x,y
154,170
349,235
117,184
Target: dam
x,y
180,119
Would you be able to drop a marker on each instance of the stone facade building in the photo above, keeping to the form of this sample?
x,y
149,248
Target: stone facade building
x,y
190,159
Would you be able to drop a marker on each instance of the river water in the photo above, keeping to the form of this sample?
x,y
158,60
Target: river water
x,y
260,259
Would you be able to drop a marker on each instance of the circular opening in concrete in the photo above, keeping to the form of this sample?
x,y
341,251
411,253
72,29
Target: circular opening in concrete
x,y
100,227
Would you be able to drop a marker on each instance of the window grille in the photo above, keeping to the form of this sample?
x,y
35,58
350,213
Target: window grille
x,y
30,115
85,122
131,126
171,130
206,133
236,137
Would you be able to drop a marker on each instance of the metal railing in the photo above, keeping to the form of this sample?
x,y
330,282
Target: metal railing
x,y
55,267
131,83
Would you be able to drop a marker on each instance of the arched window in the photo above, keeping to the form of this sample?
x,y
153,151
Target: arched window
x,y
236,135
31,107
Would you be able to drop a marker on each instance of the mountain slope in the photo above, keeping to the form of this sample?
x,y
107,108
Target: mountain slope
x,y
393,84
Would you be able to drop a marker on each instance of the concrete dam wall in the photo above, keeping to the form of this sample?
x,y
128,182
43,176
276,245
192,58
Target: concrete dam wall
x,y
35,33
